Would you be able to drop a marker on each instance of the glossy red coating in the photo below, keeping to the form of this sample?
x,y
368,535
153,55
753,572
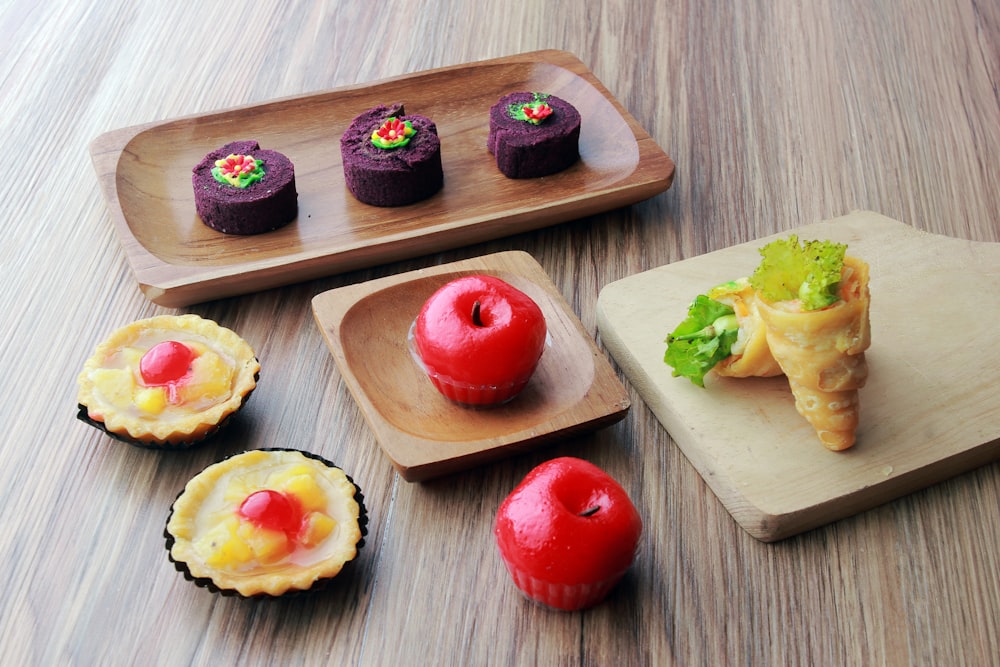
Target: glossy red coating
x,y
503,347
568,522
272,510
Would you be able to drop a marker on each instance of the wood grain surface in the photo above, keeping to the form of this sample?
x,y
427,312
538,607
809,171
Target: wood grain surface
x,y
777,114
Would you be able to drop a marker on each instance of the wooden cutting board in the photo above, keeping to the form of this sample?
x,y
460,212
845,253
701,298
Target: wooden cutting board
x,y
930,409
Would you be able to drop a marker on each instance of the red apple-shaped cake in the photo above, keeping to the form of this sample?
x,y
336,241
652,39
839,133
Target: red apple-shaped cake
x,y
567,534
479,339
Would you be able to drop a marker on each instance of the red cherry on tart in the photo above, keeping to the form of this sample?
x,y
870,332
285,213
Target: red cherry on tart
x,y
165,363
271,510
567,534
479,339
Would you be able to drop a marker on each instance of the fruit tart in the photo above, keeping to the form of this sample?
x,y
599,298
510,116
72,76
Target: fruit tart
x,y
166,382
266,523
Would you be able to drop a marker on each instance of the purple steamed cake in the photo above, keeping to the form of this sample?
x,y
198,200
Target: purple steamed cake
x,y
394,176
525,150
265,205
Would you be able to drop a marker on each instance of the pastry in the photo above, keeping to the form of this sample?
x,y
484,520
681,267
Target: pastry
x,y
822,353
244,189
266,523
533,134
166,382
805,311
724,333
750,355
391,158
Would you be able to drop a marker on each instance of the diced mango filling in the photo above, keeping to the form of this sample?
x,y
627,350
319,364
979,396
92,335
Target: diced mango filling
x,y
237,543
208,383
267,546
116,384
211,380
151,400
306,491
316,528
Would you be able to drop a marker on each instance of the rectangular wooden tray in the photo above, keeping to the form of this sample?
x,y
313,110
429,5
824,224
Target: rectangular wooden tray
x,y
145,176
928,412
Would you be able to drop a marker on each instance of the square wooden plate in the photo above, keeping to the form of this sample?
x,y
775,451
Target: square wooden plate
x,y
145,176
424,435
929,410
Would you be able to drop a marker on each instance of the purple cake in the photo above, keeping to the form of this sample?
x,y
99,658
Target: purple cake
x,y
391,159
533,134
243,189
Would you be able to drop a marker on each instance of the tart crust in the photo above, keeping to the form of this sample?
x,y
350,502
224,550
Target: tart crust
x,y
180,425
204,503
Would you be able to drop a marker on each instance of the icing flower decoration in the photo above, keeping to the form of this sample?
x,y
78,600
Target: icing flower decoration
x,y
393,133
240,171
533,112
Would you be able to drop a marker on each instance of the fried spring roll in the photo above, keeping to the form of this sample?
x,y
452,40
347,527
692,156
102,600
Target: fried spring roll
x,y
750,355
822,354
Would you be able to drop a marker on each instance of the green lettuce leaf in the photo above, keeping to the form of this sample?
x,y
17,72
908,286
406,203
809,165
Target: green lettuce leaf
x,y
809,271
702,340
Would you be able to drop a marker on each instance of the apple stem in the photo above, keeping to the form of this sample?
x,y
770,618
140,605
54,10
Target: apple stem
x,y
590,511
476,318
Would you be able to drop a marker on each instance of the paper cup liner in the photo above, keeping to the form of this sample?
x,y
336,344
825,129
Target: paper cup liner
x,y
564,597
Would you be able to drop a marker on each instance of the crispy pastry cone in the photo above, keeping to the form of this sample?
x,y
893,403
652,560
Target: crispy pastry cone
x,y
751,356
822,353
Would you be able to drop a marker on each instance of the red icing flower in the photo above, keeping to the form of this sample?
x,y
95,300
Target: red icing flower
x,y
238,170
534,111
537,113
393,133
236,165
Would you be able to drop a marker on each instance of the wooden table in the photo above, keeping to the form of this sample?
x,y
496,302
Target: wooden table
x,y
777,114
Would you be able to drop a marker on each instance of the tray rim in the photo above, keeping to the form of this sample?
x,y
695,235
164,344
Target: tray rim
x,y
197,284
600,413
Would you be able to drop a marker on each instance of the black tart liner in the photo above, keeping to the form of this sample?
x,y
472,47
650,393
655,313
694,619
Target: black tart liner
x,y
82,413
318,585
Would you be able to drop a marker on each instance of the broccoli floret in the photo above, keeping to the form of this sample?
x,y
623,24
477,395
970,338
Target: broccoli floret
x,y
809,271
